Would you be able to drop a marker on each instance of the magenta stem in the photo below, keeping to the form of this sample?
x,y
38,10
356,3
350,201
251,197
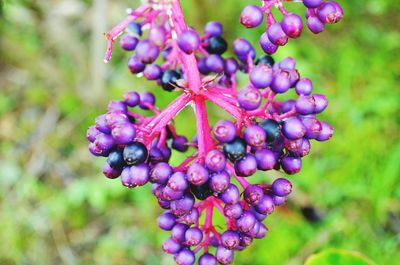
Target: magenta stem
x,y
118,29
163,118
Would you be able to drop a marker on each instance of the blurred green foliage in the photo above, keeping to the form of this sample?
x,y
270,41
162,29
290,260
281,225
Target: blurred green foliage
x,y
55,206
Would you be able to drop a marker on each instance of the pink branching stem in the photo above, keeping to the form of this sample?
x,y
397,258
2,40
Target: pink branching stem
x,y
223,90
208,224
186,162
162,140
242,181
118,29
164,117
205,142
288,114
229,99
228,107
281,7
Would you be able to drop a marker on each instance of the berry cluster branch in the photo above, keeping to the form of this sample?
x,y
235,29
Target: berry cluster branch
x,y
266,134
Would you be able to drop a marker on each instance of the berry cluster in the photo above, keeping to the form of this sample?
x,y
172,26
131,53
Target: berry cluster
x,y
267,133
319,13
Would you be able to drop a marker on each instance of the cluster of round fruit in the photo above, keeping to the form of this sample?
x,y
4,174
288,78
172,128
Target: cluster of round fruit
x,y
159,40
268,134
118,136
319,13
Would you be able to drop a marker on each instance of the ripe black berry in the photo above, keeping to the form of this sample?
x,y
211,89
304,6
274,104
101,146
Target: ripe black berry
x,y
217,45
201,192
135,153
168,80
272,129
235,149
265,59
116,159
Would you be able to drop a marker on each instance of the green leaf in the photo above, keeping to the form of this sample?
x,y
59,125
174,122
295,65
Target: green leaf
x,y
338,257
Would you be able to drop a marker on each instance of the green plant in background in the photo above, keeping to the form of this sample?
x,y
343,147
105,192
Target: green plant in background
x,y
55,209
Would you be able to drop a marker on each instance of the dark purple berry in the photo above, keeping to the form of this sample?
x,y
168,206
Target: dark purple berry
x,y
135,153
235,149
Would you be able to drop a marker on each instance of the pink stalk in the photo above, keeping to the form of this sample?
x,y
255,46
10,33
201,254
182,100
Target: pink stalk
x,y
164,117
118,29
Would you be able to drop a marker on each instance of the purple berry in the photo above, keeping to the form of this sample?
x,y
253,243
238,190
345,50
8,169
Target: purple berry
x,y
265,205
233,211
166,221
140,174
193,236
160,173
266,44
178,182
330,12
132,98
158,36
266,159
281,187
246,222
251,16
215,63
281,82
321,102
255,135
182,206
261,76
146,98
110,172
326,132
242,47
253,194
230,239
249,98
219,182
147,52
197,174
276,34
315,25
213,28
293,128
231,66
231,195
135,65
224,256
189,41
215,161
170,246
246,166
207,259
178,232
91,133
152,72
313,3
180,143
291,165
128,42
185,257
304,87
292,25
123,133
224,131
305,105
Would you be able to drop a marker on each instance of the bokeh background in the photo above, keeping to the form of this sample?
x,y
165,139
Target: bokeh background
x,y
57,208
